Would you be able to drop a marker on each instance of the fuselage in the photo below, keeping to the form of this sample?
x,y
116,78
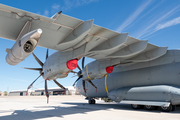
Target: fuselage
x,y
162,71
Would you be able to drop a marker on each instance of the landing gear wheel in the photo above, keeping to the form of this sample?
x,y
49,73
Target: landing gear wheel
x,y
156,107
166,109
149,107
134,106
92,101
173,108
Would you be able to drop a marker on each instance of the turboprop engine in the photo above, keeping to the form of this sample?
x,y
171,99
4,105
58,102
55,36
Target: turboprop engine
x,y
96,70
58,65
23,47
93,70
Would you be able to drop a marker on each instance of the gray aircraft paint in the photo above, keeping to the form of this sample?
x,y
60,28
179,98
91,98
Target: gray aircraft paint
x,y
140,63
162,71
159,93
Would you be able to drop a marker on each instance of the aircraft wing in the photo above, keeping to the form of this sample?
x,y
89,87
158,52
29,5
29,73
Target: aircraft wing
x,y
65,33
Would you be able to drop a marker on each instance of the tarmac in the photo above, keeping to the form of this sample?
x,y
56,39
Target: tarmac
x,y
74,108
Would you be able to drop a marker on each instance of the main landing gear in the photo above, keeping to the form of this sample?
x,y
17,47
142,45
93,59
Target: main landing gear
x,y
134,106
149,107
92,101
168,109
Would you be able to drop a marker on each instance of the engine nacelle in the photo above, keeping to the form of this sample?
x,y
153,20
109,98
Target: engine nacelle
x,y
23,47
70,65
59,64
96,70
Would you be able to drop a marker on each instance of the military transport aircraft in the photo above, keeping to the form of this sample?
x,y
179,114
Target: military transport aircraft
x,y
126,69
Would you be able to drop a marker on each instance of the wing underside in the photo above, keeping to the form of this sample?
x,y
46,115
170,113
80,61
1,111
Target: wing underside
x,y
65,33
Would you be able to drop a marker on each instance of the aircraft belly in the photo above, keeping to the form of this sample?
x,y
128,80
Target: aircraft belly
x,y
159,93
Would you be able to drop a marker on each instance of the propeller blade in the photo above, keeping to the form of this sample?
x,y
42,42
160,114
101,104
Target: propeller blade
x,y
37,69
33,82
83,62
79,68
47,53
61,86
84,86
40,63
92,83
73,72
77,80
46,91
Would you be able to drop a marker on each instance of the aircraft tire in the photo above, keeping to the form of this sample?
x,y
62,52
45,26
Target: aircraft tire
x,y
93,101
173,108
90,101
156,107
134,106
166,109
149,107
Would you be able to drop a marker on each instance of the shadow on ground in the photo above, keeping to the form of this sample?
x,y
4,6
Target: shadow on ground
x,y
74,108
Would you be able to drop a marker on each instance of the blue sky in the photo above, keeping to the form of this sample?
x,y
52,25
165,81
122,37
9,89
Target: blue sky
x,y
155,20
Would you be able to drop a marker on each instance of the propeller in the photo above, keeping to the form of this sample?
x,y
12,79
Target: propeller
x,y
79,67
41,74
32,84
80,71
46,91
80,75
58,84
40,63
37,69
83,62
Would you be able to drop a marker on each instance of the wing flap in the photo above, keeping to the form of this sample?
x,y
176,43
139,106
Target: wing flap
x,y
130,50
150,55
102,32
51,40
75,36
108,46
